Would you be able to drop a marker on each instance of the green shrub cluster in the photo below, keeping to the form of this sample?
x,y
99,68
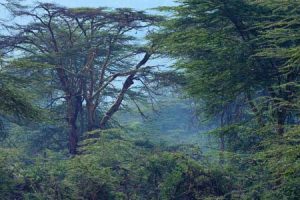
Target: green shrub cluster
x,y
110,166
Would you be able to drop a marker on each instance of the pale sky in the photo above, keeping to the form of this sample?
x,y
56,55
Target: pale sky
x,y
137,4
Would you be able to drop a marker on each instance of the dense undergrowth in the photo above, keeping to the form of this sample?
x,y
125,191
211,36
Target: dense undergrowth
x,y
112,166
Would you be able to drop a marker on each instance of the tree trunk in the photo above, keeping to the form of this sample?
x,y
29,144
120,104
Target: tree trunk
x,y
73,108
91,115
222,139
115,107
127,84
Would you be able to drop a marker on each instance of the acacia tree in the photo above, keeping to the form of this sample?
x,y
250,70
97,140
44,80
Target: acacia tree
x,y
15,104
86,51
233,58
241,60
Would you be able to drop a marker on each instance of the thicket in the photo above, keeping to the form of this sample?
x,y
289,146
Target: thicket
x,y
67,73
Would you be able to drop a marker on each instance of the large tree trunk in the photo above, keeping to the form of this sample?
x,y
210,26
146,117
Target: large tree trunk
x,y
115,107
127,84
73,108
91,115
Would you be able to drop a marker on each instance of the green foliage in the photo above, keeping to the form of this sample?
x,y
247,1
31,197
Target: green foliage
x,y
10,177
241,61
112,166
13,102
178,177
16,102
280,160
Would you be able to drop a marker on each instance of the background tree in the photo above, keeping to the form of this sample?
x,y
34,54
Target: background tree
x,y
240,62
86,50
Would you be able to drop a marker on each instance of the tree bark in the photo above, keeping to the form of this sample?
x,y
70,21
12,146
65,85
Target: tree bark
x,y
222,139
73,108
115,107
127,84
91,115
